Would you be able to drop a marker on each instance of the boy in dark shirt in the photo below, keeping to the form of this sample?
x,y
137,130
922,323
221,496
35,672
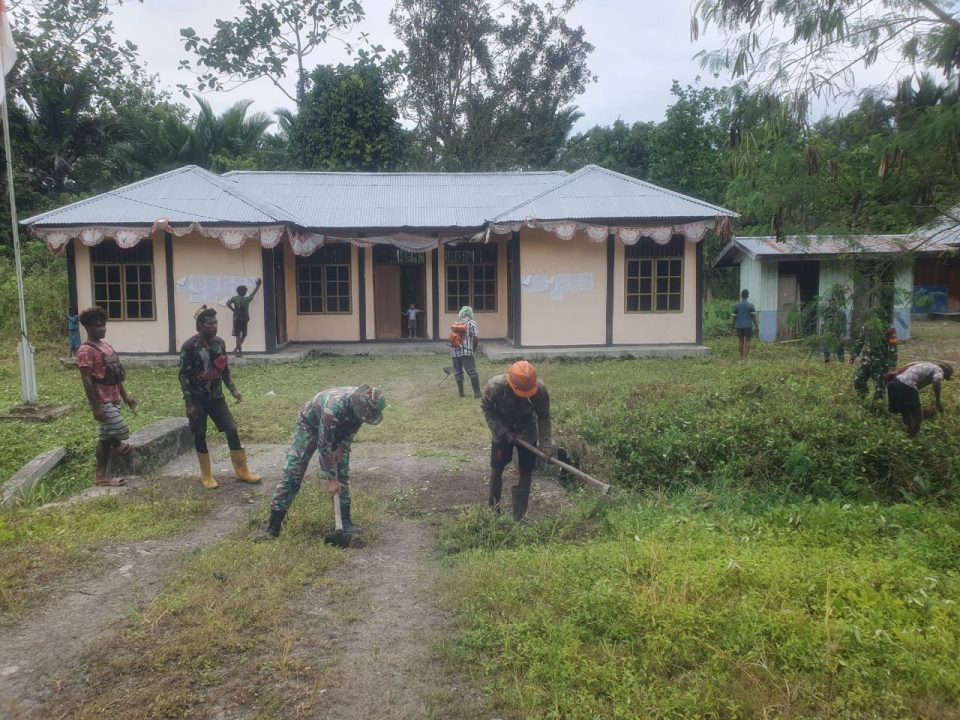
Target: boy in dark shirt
x,y
203,372
745,323
239,305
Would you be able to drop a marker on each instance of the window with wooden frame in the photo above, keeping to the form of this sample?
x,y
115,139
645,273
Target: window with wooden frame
x,y
471,276
654,276
123,280
323,281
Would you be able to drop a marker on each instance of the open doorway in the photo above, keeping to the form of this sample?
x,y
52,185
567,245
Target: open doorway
x,y
399,279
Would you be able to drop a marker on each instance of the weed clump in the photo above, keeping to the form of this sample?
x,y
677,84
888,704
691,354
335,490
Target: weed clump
x,y
782,430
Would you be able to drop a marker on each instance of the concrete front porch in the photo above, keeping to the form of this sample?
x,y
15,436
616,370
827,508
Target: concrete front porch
x,y
497,351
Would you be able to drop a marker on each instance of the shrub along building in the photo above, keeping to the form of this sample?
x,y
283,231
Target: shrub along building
x,y
546,259
888,271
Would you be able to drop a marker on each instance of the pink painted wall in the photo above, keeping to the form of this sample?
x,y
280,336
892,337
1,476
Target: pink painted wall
x,y
129,335
651,328
489,324
578,318
196,255
335,327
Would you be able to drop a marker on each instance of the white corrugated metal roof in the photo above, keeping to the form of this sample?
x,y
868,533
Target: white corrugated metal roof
x,y
394,200
945,230
799,247
184,195
597,193
330,201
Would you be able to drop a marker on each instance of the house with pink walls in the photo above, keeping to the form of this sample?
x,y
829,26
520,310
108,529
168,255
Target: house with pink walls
x,y
586,259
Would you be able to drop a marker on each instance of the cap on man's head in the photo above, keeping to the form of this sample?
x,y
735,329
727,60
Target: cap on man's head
x,y
368,404
522,379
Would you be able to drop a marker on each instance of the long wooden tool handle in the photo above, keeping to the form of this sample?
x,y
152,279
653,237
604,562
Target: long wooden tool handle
x,y
589,480
337,518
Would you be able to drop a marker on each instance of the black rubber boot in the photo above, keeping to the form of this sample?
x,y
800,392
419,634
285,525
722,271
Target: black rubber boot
x,y
348,527
460,385
521,497
496,487
272,530
475,382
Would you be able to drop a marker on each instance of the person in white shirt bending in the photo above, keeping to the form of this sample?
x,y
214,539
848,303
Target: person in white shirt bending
x,y
903,390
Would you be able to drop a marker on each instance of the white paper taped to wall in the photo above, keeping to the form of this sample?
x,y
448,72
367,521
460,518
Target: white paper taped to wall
x,y
556,285
210,289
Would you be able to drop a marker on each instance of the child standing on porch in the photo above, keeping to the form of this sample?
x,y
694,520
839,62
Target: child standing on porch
x,y
411,315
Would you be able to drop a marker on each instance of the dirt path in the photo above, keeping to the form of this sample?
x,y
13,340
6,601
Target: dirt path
x,y
382,653
129,575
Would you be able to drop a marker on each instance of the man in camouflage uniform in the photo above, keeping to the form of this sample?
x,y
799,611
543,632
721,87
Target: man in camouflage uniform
x,y
873,348
326,425
834,331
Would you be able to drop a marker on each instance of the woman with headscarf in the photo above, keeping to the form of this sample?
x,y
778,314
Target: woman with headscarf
x,y
463,352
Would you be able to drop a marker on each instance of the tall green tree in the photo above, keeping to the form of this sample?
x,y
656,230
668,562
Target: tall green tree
x,y
619,147
261,41
490,88
346,121
686,150
826,39
68,141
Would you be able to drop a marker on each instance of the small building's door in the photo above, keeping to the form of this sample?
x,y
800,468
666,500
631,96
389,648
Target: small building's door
x,y
386,301
787,297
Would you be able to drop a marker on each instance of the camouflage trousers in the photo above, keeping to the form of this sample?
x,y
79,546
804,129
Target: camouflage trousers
x,y
870,369
298,458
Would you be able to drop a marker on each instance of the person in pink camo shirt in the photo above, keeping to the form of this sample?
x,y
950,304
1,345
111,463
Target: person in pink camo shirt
x,y
102,377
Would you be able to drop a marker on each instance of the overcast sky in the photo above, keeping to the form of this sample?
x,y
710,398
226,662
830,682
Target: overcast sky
x,y
641,46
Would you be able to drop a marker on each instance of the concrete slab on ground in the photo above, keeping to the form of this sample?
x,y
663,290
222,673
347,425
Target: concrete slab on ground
x,y
153,446
29,475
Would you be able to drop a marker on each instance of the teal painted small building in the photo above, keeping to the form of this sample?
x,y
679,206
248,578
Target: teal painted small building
x,y
787,274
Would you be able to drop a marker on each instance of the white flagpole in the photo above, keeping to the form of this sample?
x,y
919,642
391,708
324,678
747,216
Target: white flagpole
x,y
28,373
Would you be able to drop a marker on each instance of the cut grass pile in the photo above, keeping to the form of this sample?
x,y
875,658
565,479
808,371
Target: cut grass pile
x,y
681,611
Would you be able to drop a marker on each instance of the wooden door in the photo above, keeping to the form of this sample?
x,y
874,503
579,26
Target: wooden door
x,y
787,298
386,301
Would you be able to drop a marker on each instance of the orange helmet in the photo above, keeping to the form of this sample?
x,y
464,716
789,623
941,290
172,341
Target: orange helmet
x,y
522,378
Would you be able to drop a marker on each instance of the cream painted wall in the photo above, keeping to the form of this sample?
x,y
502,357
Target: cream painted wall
x,y
131,335
196,255
579,318
655,327
489,324
318,328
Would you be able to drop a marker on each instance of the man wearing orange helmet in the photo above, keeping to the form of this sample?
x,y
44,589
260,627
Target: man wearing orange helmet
x,y
516,405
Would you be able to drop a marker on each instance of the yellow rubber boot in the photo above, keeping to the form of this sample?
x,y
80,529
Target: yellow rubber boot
x,y
206,472
240,470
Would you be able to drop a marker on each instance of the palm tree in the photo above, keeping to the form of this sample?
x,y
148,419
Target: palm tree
x,y
66,138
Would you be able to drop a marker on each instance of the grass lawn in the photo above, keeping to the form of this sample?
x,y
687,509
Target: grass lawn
x,y
778,548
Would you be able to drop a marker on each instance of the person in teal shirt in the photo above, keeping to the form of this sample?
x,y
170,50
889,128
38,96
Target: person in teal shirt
x,y
239,305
